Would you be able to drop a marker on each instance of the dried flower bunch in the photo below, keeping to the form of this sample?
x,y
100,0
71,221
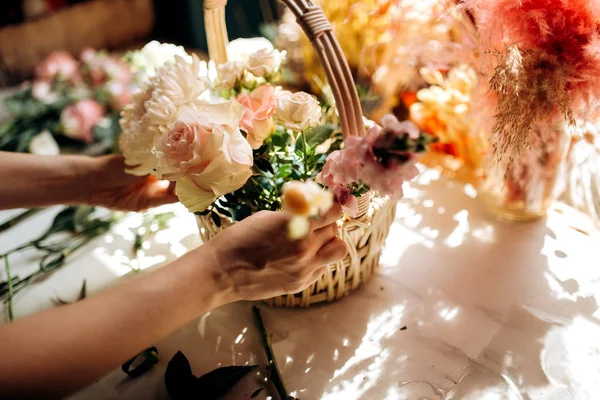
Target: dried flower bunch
x,y
547,60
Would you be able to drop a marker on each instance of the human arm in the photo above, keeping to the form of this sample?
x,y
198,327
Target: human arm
x,y
29,181
61,350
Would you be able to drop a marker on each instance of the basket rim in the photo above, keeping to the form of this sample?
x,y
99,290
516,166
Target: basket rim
x,y
320,32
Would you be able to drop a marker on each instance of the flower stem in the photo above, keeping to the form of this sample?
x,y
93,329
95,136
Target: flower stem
x,y
11,315
266,342
304,151
14,221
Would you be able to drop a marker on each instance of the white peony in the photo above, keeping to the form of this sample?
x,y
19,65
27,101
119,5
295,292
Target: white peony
x,y
154,55
44,144
297,111
265,62
155,107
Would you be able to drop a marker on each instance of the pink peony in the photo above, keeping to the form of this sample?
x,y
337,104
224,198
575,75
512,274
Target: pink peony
x,y
260,106
59,65
79,119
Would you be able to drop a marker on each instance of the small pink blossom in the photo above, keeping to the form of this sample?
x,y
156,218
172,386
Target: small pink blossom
x,y
373,160
79,119
342,166
347,200
260,105
59,65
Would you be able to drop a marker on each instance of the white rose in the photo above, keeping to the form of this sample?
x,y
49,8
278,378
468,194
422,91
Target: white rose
x,y
42,91
44,144
265,62
154,55
228,74
217,162
240,49
297,111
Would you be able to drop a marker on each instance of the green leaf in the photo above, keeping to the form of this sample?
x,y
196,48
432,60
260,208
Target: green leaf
x,y
179,379
320,134
81,218
181,384
217,383
63,222
216,219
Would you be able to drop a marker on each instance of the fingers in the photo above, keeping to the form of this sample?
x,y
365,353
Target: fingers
x,y
334,213
321,236
333,251
159,193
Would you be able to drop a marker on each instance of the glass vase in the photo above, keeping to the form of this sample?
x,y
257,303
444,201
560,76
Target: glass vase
x,y
522,186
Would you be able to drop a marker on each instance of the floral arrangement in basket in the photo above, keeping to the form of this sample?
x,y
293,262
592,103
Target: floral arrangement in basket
x,y
542,60
234,142
74,102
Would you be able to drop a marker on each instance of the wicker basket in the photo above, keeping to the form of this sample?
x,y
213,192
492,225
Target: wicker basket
x,y
365,234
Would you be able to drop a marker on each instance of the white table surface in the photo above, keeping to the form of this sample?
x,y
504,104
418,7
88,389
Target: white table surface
x,y
492,309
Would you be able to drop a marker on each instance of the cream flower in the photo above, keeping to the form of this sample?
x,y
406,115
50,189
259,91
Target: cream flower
x,y
297,111
304,200
205,152
240,49
228,74
155,107
44,144
265,62
154,55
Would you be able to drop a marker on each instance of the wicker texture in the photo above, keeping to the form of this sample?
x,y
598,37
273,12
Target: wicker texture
x,y
365,234
365,237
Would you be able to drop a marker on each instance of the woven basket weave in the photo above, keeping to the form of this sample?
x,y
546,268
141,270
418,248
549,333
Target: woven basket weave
x,y
365,234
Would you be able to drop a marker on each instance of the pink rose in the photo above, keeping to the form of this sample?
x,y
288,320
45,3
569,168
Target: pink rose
x,y
257,122
79,119
59,65
177,148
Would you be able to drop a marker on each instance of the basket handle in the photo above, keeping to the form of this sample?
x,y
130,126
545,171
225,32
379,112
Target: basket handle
x,y
318,29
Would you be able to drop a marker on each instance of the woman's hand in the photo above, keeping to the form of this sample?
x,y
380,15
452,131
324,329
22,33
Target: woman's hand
x,y
108,185
30,181
256,259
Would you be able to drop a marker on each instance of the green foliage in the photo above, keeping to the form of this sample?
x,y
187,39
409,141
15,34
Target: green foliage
x,y
283,158
29,117
182,384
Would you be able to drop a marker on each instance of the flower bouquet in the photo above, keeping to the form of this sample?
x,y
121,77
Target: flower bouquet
x,y
71,102
236,144
542,63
